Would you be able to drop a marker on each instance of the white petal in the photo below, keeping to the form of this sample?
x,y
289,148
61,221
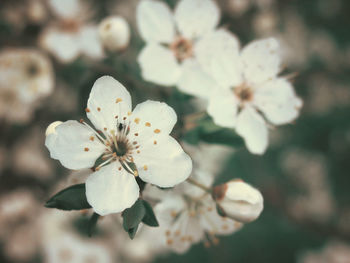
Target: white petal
x,y
63,45
252,127
155,21
71,145
195,81
90,42
110,190
213,223
223,108
108,99
163,162
65,8
195,18
261,60
159,65
218,54
277,100
150,119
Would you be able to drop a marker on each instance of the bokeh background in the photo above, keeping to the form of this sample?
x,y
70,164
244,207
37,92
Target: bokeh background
x,y
304,175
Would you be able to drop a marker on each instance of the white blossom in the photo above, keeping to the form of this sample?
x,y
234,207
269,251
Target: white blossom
x,y
26,76
128,143
239,200
248,95
71,34
168,57
114,33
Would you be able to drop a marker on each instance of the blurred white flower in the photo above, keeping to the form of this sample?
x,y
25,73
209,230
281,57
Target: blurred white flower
x,y
187,215
114,33
129,143
71,35
239,200
248,95
28,157
171,39
26,76
332,252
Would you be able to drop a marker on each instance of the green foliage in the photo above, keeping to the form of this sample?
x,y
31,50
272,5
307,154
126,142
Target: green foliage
x,y
141,211
71,198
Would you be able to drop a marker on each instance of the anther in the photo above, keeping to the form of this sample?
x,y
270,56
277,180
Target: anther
x,y
86,149
137,120
87,110
148,124
156,131
118,100
98,108
145,167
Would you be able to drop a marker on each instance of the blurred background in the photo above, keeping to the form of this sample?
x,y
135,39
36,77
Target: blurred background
x,y
303,176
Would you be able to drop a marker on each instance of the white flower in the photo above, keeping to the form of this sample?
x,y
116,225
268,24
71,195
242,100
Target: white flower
x,y
114,33
171,39
70,35
129,143
249,95
239,200
188,215
26,76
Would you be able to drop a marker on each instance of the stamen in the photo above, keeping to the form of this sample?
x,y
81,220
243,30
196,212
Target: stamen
x,y
104,163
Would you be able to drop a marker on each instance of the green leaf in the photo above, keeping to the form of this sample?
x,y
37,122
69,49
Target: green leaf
x,y
92,223
149,218
133,216
71,198
132,232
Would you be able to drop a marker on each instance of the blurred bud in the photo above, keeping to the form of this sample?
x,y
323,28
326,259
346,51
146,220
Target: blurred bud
x,y
52,128
114,33
239,200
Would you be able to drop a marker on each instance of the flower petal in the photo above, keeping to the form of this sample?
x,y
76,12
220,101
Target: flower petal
x,y
66,9
261,60
159,65
150,119
218,54
252,127
277,100
223,108
108,99
213,223
163,162
155,21
63,45
72,145
90,42
109,190
195,18
195,81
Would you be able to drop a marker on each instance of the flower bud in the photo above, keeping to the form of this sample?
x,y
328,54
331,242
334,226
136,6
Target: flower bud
x,y
52,128
114,33
239,200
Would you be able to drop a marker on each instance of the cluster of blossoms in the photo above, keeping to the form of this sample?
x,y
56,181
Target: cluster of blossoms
x,y
131,153
242,87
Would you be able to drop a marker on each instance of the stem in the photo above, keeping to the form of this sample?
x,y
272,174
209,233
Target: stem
x,y
195,183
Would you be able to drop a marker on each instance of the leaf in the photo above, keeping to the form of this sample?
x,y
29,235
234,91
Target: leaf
x,y
92,223
149,218
71,198
133,216
132,232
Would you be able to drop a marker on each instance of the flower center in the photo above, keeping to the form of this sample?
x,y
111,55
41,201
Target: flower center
x,y
182,48
70,25
243,92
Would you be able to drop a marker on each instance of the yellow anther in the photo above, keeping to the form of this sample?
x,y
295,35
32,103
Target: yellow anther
x,y
145,167
148,124
156,131
86,149
98,108
137,120
118,100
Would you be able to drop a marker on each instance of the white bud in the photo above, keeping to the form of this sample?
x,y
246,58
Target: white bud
x,y
114,33
239,200
52,128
